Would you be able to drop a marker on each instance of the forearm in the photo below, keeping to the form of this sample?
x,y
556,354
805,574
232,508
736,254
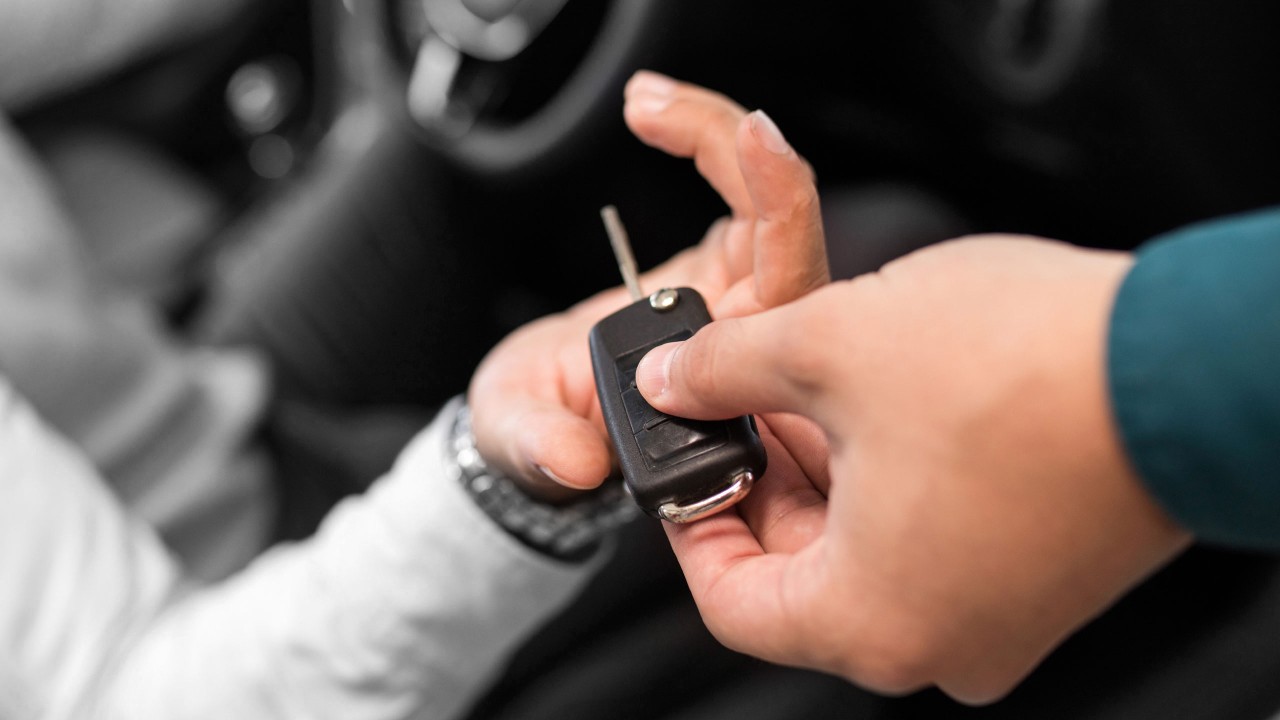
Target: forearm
x,y
404,604
1193,352
51,45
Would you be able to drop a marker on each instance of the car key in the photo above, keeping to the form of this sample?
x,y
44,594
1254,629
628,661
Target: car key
x,y
676,469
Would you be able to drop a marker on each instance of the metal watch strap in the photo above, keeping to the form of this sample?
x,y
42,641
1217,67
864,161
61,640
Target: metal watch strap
x,y
568,532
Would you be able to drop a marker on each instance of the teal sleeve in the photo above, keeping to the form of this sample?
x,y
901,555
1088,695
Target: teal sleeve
x,y
1194,372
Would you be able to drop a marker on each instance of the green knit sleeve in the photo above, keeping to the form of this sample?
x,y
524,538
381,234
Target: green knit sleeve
x,y
1194,372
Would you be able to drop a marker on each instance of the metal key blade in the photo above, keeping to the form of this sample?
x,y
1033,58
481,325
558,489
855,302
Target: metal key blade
x,y
622,250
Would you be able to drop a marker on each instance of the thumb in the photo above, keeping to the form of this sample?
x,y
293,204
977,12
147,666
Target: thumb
x,y
760,363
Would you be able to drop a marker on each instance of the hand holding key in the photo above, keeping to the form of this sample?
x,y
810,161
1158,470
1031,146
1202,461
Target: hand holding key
x,y
535,411
674,468
977,507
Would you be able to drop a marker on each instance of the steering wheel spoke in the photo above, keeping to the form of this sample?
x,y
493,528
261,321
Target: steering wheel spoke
x,y
452,62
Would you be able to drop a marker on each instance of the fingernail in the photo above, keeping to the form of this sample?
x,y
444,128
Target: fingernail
x,y
768,134
547,471
653,374
652,83
649,104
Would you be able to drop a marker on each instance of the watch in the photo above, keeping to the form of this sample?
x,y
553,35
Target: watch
x,y
571,531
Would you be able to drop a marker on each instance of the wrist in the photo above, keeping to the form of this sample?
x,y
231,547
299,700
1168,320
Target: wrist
x,y
566,530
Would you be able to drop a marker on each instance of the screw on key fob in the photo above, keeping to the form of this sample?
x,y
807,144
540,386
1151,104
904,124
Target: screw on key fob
x,y
677,469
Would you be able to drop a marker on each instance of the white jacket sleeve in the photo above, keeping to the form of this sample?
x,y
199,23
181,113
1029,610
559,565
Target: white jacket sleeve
x,y
405,604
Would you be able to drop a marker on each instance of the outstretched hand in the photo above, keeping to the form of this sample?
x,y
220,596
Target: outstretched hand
x,y
976,507
535,411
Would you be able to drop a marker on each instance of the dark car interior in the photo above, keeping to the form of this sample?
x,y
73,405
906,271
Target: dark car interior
x,y
374,192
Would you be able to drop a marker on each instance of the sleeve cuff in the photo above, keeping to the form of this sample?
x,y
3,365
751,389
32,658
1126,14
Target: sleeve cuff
x,y
443,594
1192,362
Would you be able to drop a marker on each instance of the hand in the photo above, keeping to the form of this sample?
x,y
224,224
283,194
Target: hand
x,y
536,414
976,508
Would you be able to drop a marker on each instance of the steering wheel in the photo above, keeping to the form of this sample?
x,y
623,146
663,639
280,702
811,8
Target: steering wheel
x,y
429,51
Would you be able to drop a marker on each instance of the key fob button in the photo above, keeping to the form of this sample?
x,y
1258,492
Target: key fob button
x,y
677,440
640,413
667,462
627,376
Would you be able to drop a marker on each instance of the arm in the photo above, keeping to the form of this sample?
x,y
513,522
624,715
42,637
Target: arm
x,y
406,601
976,507
409,597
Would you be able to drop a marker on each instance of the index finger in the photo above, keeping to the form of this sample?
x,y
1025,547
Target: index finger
x,y
692,122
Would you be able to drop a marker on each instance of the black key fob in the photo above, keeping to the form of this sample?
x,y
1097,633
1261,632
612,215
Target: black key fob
x,y
676,469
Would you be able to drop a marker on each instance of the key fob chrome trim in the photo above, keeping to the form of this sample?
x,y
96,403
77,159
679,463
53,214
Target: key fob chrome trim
x,y
737,489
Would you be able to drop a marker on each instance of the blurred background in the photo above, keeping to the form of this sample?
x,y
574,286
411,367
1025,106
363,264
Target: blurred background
x,y
373,192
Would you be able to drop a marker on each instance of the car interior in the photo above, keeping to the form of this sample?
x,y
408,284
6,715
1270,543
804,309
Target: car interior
x,y
374,192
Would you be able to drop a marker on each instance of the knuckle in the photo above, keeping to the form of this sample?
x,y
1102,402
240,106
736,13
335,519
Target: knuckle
x,y
892,657
715,161
876,643
976,693
806,203
794,208
811,172
861,290
718,123
706,162
886,676
725,104
700,360
726,636
801,350
870,646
